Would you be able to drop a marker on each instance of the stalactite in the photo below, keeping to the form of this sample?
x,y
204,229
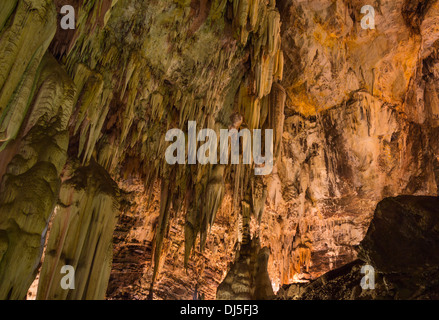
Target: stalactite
x,y
280,66
249,105
214,195
246,212
301,249
144,67
31,181
254,18
81,235
254,13
6,9
243,11
20,55
191,230
273,32
91,109
276,115
259,196
131,88
162,228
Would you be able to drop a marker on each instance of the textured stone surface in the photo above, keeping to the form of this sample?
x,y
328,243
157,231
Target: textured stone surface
x,y
133,268
81,235
354,113
248,277
358,126
403,235
30,181
401,244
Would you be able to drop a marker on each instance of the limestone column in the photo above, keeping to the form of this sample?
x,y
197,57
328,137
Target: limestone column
x,y
81,235
30,165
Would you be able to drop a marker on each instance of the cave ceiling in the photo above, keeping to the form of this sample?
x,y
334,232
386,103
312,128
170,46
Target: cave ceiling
x,y
353,114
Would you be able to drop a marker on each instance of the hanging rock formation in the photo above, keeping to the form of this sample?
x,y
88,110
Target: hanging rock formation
x,y
30,182
84,114
81,235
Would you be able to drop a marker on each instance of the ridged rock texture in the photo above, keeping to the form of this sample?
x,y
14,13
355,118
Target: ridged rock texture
x,y
248,277
81,233
83,118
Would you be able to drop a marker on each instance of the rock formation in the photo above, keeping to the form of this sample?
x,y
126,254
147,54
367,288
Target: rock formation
x,y
401,245
81,235
84,114
248,277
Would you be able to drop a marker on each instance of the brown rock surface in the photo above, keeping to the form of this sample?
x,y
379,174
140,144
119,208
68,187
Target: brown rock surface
x,y
355,115
248,277
401,245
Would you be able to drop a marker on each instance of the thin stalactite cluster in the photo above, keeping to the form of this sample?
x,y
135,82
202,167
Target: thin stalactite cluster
x,y
84,113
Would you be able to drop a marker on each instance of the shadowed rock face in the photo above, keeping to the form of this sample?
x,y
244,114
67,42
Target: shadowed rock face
x,y
401,244
354,113
403,235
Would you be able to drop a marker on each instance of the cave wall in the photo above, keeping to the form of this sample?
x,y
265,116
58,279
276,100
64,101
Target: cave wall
x,y
354,112
358,127
36,103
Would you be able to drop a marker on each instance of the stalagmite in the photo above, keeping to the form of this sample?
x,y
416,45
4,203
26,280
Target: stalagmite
x,y
248,278
103,96
215,190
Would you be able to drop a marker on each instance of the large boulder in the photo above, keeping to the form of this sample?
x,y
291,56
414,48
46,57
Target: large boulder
x,y
402,245
403,235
